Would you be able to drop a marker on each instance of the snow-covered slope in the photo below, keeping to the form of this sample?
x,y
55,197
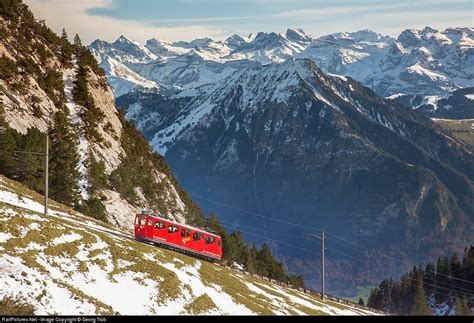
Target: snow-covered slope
x,y
69,264
424,62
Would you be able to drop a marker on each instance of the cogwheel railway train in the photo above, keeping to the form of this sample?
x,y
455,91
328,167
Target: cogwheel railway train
x,y
151,227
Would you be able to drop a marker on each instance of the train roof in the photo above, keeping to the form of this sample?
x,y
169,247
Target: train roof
x,y
153,215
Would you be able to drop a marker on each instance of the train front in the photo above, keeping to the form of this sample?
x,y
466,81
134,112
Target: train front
x,y
140,227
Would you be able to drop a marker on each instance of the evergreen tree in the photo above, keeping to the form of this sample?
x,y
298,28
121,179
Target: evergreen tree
x,y
96,176
66,49
361,302
250,260
78,47
64,159
8,143
419,305
30,167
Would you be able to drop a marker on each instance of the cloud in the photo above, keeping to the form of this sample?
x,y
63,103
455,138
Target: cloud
x,y
73,16
384,17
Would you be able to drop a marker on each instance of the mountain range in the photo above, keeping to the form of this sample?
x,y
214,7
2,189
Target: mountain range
x,y
291,143
328,133
418,62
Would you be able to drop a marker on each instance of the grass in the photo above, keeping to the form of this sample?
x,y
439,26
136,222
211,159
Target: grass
x,y
236,289
15,306
135,260
461,129
201,304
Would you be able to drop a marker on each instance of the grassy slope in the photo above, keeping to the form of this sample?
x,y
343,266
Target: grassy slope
x,y
66,263
462,129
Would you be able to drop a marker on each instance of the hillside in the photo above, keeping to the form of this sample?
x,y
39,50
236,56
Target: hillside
x,y
443,287
99,162
461,129
69,264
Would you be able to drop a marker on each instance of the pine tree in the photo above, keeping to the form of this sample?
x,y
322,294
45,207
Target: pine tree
x,y
64,159
78,47
8,143
30,169
66,49
96,175
419,305
361,302
250,261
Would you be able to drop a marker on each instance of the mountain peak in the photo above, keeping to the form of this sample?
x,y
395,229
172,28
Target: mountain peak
x,y
297,34
123,39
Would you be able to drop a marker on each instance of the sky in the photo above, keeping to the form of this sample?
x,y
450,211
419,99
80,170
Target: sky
x,y
174,20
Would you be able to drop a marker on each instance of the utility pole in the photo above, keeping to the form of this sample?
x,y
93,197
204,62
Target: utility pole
x,y
322,265
46,174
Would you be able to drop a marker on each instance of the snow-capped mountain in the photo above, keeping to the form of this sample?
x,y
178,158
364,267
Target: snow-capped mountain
x,y
186,65
292,143
419,62
424,62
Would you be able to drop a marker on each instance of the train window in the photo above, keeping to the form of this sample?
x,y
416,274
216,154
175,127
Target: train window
x,y
136,220
172,229
197,236
185,232
142,221
209,239
149,222
159,225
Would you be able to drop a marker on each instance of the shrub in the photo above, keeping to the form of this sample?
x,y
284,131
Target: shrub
x,y
15,306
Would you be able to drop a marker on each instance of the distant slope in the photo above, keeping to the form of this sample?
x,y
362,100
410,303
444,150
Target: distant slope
x,y
461,129
69,264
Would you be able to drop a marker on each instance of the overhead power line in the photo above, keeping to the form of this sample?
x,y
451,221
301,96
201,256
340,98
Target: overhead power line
x,y
401,261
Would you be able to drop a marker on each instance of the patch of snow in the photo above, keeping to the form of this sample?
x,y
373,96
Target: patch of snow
x,y
470,96
75,115
66,238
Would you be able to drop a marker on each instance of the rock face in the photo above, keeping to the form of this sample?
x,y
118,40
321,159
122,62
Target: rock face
x,y
293,144
419,62
30,102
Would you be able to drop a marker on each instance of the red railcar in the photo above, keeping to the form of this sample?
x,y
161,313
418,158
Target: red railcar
x,y
153,228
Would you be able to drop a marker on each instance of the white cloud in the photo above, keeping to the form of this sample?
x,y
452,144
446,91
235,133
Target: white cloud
x,y
73,16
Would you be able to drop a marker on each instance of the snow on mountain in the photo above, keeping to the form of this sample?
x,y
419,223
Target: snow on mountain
x,y
124,50
287,139
69,264
122,79
423,62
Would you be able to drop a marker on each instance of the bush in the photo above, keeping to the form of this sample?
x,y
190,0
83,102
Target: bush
x,y
94,208
10,306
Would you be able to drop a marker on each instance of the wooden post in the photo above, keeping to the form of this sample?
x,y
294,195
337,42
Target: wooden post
x,y
46,175
322,264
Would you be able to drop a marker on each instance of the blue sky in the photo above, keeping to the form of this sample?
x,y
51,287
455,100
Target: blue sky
x,y
188,19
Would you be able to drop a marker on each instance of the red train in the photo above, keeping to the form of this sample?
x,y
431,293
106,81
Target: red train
x,y
152,228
